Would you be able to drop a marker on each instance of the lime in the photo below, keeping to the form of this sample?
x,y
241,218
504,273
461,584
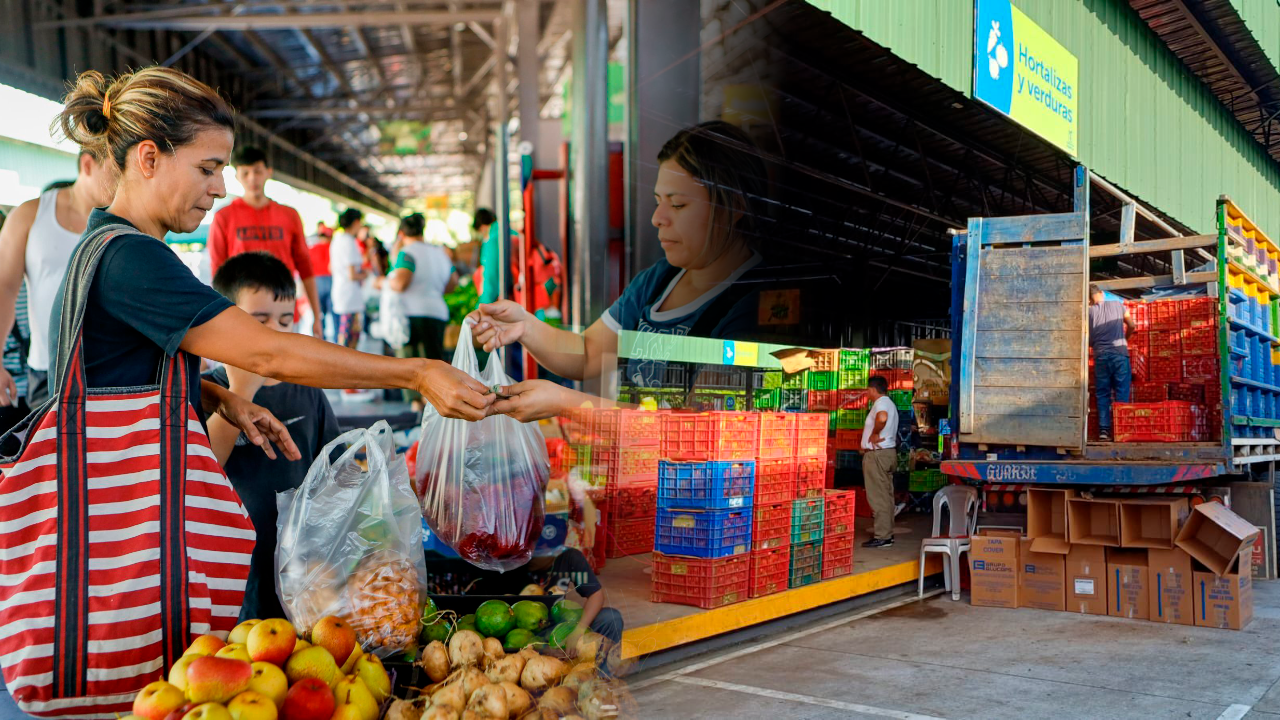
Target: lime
x,y
531,615
517,639
566,611
560,633
429,612
494,618
468,622
438,630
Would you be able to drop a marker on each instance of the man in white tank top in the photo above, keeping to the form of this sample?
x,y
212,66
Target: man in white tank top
x,y
36,242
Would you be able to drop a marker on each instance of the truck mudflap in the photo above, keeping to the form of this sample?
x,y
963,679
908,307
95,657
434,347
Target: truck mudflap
x,y
1080,473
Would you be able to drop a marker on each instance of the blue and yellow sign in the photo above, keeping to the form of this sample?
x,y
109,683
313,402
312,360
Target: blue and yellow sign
x,y
1020,70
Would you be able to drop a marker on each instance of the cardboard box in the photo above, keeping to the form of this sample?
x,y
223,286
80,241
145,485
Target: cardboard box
x,y
1260,555
1047,519
1225,600
1041,578
1086,580
1170,591
1214,536
993,569
1152,522
1094,521
1127,584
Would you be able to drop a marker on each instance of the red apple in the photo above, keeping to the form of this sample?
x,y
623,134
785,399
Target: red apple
x,y
180,712
308,699
335,635
157,700
272,641
215,679
205,645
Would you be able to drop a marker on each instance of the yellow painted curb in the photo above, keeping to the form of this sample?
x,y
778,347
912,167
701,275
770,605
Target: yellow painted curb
x,y
709,623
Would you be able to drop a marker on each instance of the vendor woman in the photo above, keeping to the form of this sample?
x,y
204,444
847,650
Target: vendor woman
x,y
709,179
170,137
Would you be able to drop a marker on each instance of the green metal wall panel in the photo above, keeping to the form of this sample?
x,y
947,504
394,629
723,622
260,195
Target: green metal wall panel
x,y
36,166
1262,17
1146,123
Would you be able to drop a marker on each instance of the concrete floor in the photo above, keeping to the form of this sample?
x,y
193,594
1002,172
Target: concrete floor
x,y
942,659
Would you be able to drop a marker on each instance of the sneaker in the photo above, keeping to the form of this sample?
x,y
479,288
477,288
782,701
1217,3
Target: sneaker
x,y
887,542
1104,436
897,509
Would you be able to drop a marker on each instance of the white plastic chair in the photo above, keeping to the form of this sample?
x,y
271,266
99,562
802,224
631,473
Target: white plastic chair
x,y
956,541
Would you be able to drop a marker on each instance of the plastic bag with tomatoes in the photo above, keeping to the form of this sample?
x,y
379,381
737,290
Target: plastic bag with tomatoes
x,y
350,543
481,484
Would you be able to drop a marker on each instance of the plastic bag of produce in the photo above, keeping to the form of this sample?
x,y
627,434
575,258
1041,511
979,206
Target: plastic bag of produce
x,y
392,324
481,483
350,543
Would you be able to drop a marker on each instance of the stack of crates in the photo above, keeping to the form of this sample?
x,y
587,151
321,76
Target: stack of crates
x,y
624,457
706,490
807,527
925,481
838,533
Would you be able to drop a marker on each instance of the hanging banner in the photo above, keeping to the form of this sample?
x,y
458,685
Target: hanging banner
x,y
1020,70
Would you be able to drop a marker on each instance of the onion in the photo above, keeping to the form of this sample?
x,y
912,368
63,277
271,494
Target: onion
x,y
559,699
541,673
528,653
489,701
493,649
596,700
507,669
472,679
518,701
588,647
580,673
465,648
449,695
440,712
540,714
435,660
404,710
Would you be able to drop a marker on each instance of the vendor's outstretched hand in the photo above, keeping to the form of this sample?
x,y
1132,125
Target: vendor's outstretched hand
x,y
497,324
259,426
532,400
453,393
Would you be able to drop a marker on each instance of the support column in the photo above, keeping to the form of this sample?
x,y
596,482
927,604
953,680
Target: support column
x,y
589,163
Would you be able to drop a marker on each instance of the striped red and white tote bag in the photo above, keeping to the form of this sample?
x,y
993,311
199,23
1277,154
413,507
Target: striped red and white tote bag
x,y
121,539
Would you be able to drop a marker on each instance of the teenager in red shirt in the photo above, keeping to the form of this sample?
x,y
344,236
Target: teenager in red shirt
x,y
255,222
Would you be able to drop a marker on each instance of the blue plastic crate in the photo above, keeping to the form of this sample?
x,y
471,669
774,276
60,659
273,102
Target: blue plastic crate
x,y
719,485
702,533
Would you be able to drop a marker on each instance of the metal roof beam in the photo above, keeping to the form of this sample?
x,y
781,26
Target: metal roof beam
x,y
362,44
197,22
316,49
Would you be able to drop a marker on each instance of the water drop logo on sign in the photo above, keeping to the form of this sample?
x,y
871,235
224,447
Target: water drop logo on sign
x,y
1020,70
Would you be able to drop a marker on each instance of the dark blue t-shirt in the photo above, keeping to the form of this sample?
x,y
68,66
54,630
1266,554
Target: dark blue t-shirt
x,y
636,310
141,304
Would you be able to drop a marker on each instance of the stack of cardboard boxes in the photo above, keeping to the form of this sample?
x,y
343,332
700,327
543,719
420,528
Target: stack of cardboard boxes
x,y
1145,558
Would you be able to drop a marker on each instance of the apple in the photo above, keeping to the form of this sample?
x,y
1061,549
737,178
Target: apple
x,y
269,680
314,662
208,711
351,690
349,712
131,716
180,712
235,651
240,633
250,705
178,673
374,675
205,645
272,641
300,645
157,700
308,699
216,679
335,635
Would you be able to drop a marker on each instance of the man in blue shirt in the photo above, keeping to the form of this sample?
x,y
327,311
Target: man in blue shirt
x,y
1109,328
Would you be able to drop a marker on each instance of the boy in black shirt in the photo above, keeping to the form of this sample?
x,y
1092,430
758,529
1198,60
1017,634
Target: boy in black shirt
x,y
262,286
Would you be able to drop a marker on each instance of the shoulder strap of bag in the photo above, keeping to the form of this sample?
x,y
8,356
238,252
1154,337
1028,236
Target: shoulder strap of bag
x,y
70,655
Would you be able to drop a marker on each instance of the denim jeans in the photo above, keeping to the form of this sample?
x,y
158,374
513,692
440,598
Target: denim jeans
x,y
1112,370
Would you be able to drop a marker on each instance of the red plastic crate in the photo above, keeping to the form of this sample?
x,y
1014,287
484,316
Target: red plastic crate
x,y
1164,343
822,401
628,537
811,476
825,360
621,465
1138,312
837,555
576,424
626,428
852,399
633,500
1138,364
555,456
1187,392
702,583
1168,421
771,526
710,436
777,430
1141,392
1200,367
769,570
775,480
1164,315
840,510
848,440
899,379
811,435
1165,369
1201,340
1200,312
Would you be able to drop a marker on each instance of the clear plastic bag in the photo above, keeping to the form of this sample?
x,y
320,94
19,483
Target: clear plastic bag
x,y
350,543
482,483
392,324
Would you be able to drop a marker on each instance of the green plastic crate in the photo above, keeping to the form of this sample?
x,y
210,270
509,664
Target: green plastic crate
x,y
794,400
770,399
796,381
851,419
806,520
853,371
806,564
821,381
831,423
902,398
926,480
767,379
